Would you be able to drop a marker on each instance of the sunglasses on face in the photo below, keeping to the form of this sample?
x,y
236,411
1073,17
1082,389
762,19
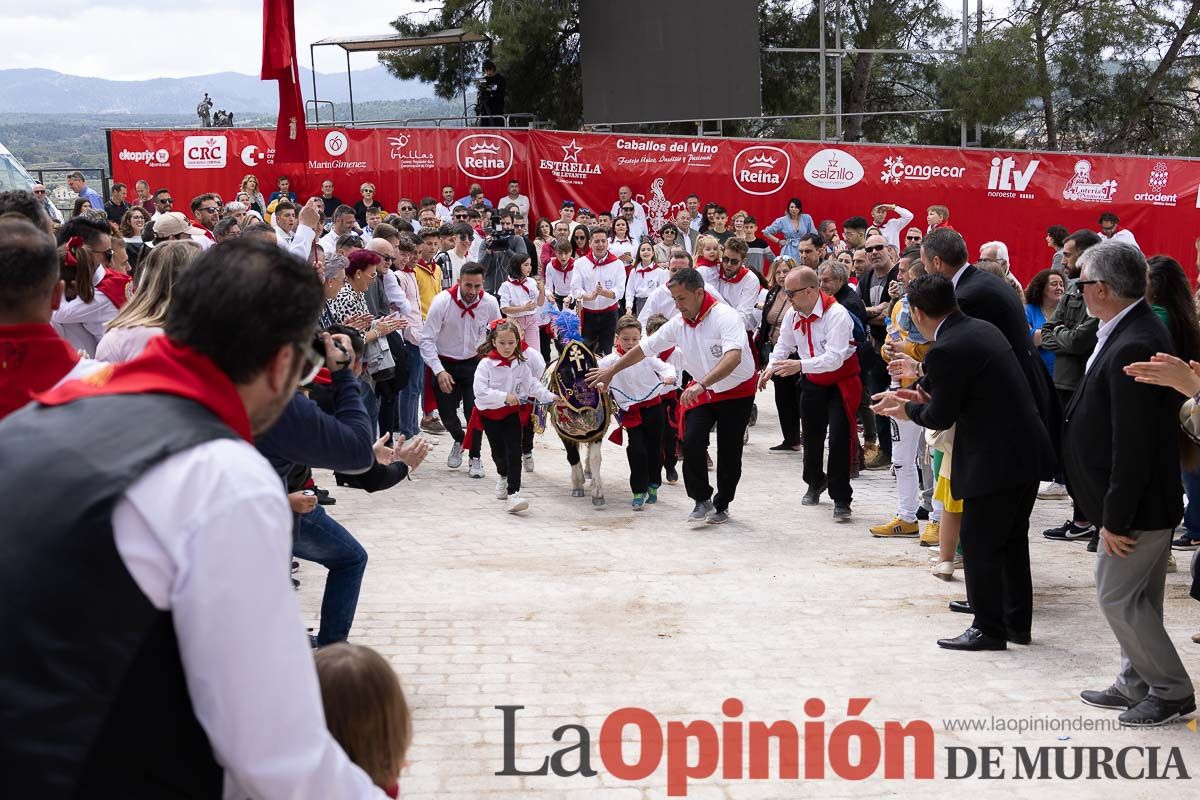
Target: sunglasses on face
x,y
733,262
166,201
875,248
210,210
368,191
912,238
460,216
388,260
407,208
108,254
39,191
790,293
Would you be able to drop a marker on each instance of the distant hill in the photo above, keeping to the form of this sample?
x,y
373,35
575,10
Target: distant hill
x,y
43,91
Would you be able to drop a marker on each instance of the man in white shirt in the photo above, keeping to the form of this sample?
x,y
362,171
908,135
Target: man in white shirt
x,y
737,285
451,261
343,223
891,227
821,331
515,198
716,353
598,284
1108,229
456,325
443,208
183,666
635,216
297,233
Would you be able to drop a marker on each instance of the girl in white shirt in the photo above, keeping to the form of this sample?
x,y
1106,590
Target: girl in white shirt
x,y
646,276
522,295
505,389
621,244
637,392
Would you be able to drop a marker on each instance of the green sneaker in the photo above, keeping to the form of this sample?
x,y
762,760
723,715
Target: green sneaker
x,y
639,502
652,494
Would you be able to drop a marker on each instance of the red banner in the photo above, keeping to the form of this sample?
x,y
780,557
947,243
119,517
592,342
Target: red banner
x,y
1012,196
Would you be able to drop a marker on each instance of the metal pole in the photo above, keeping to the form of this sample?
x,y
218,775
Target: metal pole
x,y
461,62
821,70
350,84
312,64
837,67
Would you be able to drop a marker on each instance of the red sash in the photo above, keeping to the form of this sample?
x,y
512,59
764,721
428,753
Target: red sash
x,y
849,384
631,418
115,286
164,367
478,415
746,388
32,359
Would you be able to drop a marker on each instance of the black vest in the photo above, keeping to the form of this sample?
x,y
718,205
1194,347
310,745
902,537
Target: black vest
x,y
93,701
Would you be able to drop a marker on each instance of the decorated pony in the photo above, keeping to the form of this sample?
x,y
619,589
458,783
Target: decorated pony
x,y
583,414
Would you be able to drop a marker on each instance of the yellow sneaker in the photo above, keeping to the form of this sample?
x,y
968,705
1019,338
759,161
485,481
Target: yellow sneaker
x,y
931,534
897,528
876,459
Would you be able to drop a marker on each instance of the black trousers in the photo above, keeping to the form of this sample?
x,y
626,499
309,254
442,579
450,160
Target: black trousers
x,y
995,543
875,379
730,418
461,393
527,437
1077,515
821,409
598,329
388,393
644,450
504,439
787,403
670,434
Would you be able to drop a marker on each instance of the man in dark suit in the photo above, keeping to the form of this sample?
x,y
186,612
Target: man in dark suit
x,y
1121,455
973,381
984,296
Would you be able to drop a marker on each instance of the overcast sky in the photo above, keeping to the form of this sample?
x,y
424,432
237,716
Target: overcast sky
x,y
120,40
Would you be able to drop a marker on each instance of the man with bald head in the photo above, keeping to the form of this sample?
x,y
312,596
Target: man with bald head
x,y
400,285
821,330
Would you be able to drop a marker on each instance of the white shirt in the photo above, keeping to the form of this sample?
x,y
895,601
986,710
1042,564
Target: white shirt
x,y
82,324
519,294
675,360
558,283
611,277
494,382
627,247
520,201
643,381
408,285
328,242
639,213
828,347
703,345
658,301
641,284
1103,331
892,228
710,276
443,212
742,294
451,332
298,243
207,535
125,344
456,262
1123,235
203,241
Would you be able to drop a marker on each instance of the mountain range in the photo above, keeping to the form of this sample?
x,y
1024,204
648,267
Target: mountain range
x,y
43,91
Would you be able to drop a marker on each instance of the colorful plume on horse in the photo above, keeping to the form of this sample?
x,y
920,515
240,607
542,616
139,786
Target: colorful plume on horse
x,y
565,325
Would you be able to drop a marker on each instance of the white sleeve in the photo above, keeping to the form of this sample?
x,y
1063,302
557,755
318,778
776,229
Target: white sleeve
x,y
506,299
577,290
487,396
80,312
838,332
733,334
245,654
619,287
906,217
429,332
395,295
662,339
531,387
302,241
662,368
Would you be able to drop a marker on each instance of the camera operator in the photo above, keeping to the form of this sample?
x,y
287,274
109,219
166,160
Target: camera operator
x,y
491,97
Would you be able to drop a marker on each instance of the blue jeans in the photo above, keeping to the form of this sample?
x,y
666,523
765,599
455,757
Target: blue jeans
x,y
321,539
410,395
1191,514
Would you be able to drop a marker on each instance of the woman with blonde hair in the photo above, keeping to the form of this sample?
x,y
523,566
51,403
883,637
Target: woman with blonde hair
x,y
256,200
143,317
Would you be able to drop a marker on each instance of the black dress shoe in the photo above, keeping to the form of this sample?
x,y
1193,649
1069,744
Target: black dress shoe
x,y
1093,544
1019,637
961,606
973,639
841,511
1154,711
782,447
1112,697
813,495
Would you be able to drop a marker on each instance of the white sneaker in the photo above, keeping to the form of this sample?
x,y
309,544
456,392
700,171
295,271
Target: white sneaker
x,y
516,503
528,462
454,460
1052,490
944,570
1171,565
474,468
502,488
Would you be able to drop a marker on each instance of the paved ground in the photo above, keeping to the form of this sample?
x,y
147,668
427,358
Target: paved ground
x,y
575,612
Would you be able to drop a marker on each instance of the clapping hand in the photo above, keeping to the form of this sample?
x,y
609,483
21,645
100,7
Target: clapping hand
x,y
901,367
1167,370
411,454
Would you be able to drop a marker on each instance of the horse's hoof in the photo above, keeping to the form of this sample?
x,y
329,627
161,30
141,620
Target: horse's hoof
x,y
597,501
577,493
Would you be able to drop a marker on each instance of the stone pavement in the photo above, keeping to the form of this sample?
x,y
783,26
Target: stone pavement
x,y
575,612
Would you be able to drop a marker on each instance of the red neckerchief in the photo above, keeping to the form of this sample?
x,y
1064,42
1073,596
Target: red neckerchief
x,y
520,283
207,233
665,354
428,266
704,262
115,286
741,273
804,322
705,306
393,791
644,270
608,258
586,251
501,360
407,268
558,265
164,367
33,358
453,292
